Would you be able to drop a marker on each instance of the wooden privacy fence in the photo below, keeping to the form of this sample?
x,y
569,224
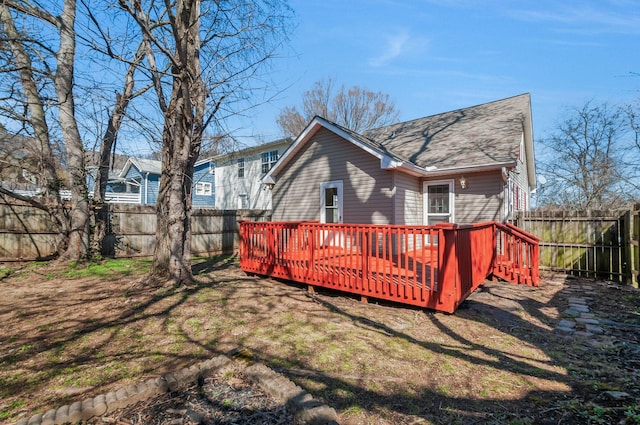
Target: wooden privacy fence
x,y
27,233
435,267
595,244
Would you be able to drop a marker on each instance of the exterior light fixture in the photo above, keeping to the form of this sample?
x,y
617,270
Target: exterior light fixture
x,y
463,182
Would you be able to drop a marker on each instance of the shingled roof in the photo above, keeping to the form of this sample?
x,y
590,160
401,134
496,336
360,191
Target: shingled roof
x,y
482,136
485,134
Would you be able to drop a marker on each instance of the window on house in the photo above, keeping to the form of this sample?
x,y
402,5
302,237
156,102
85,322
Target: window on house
x,y
268,160
331,202
203,188
438,202
240,167
243,201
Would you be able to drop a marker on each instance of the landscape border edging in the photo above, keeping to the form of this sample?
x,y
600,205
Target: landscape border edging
x,y
305,409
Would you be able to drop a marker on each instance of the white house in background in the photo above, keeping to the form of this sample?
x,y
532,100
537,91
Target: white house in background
x,y
238,176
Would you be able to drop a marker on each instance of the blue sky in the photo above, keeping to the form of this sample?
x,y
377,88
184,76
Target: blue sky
x,y
433,56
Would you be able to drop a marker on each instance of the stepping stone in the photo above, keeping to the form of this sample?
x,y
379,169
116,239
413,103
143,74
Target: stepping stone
x,y
573,300
588,321
594,329
583,333
580,308
564,323
565,330
617,395
587,315
571,313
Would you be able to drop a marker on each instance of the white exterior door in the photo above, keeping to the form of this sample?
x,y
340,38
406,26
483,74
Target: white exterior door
x,y
331,202
438,202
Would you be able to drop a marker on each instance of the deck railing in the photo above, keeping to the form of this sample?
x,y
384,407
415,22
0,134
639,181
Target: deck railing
x,y
429,266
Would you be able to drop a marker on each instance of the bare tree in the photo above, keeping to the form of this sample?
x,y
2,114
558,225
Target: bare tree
x,y
586,162
40,80
214,53
356,108
62,75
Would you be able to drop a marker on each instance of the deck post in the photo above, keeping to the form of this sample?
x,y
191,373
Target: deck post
x,y
365,260
449,281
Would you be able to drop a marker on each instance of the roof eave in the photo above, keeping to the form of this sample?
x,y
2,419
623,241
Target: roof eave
x,y
438,172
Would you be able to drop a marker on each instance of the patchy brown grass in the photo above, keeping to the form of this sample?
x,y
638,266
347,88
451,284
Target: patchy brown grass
x,y
68,335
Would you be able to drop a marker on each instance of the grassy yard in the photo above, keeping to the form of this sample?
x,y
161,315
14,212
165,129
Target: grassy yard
x,y
76,332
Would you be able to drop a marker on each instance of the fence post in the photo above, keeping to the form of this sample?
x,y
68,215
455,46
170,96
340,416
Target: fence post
x,y
633,245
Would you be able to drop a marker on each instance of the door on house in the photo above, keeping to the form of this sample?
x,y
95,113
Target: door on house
x,y
438,202
331,202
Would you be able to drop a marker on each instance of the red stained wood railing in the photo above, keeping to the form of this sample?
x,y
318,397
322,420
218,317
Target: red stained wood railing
x,y
435,267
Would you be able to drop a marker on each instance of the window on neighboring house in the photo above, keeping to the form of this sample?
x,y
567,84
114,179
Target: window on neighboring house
x,y
240,167
203,188
243,201
268,160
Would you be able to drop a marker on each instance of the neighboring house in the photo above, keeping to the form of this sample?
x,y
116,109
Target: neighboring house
x,y
139,180
470,165
238,176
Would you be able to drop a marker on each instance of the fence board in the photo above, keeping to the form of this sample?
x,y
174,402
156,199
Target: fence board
x,y
28,234
596,244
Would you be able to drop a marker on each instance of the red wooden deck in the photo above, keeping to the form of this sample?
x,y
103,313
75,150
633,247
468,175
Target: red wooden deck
x,y
435,267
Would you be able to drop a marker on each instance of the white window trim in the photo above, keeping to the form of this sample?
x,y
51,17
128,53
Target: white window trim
x,y
425,199
242,198
240,163
269,160
328,185
204,188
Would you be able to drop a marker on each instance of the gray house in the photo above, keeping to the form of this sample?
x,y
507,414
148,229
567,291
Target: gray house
x,y
465,166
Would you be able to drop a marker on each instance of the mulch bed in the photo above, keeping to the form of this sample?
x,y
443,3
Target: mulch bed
x,y
220,399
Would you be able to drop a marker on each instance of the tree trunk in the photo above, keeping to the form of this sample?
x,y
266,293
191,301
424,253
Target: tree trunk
x,y
182,136
78,246
100,210
48,177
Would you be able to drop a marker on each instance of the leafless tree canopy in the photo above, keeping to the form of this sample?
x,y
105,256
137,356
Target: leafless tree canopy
x,y
592,159
356,108
204,59
75,70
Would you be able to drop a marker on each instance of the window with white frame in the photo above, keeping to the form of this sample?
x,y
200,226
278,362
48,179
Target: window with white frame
x,y
438,202
203,188
240,167
243,201
268,160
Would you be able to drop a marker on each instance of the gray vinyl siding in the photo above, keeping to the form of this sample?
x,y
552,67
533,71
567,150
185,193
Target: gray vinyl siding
x,y
408,199
367,190
482,198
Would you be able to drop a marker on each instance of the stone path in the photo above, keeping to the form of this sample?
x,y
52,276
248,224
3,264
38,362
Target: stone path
x,y
577,319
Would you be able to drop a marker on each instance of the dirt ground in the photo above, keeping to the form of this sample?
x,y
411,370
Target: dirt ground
x,y
498,360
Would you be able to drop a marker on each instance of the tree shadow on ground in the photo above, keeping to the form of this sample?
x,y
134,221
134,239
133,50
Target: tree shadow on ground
x,y
496,360
560,387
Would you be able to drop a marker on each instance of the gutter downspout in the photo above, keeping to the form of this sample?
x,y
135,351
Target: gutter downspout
x,y
146,188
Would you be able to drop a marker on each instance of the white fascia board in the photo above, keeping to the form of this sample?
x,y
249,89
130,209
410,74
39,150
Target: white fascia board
x,y
291,150
125,169
386,162
436,172
202,161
